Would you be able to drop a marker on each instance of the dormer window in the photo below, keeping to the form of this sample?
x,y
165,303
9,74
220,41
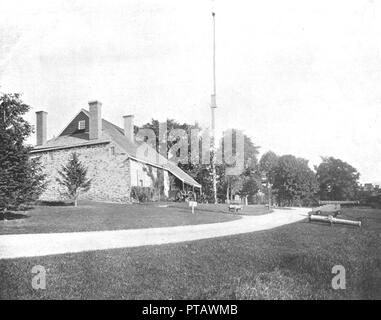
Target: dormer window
x,y
81,125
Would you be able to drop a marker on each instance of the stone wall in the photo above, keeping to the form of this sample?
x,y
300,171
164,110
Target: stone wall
x,y
108,167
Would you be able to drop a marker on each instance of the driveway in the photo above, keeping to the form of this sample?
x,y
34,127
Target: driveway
x,y
43,244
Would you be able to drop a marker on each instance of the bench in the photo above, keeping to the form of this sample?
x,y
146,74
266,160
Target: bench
x,y
235,207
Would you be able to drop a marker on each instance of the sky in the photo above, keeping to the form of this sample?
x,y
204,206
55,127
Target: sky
x,y
298,77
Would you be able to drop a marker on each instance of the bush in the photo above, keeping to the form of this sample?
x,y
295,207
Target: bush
x,y
142,194
373,201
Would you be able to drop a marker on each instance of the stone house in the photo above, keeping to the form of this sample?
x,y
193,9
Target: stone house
x,y
115,159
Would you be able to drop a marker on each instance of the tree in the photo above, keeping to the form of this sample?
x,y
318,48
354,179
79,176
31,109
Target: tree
x,y
295,183
267,165
247,182
227,185
250,185
337,179
21,177
73,178
308,184
232,185
198,171
171,124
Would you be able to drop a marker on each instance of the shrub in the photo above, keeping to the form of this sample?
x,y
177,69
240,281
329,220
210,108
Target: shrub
x,y
374,202
142,194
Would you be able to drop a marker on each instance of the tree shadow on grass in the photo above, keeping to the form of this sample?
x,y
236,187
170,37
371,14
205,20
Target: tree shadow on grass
x,y
12,216
55,203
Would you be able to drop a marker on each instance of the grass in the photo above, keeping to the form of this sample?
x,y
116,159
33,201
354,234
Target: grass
x,y
93,216
289,262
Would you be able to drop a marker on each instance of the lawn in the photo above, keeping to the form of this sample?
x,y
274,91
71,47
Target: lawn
x,y
289,262
93,216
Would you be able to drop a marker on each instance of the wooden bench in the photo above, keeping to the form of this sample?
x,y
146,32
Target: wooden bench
x,y
235,207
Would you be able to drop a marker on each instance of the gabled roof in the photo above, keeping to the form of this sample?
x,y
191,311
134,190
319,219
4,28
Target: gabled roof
x,y
111,132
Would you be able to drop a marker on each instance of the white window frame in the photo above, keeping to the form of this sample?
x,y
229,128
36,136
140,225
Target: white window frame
x,y
81,125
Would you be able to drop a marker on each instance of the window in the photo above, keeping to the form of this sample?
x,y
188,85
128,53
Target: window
x,y
51,156
81,125
112,151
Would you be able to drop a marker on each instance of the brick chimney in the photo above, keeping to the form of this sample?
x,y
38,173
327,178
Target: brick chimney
x,y
95,123
41,127
129,126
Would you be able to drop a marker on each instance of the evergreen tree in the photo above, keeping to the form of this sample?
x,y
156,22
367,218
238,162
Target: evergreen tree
x,y
21,178
74,178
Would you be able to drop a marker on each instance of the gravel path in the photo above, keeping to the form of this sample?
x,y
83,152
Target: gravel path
x,y
42,244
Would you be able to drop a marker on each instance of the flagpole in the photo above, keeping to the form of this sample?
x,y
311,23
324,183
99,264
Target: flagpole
x,y
213,106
